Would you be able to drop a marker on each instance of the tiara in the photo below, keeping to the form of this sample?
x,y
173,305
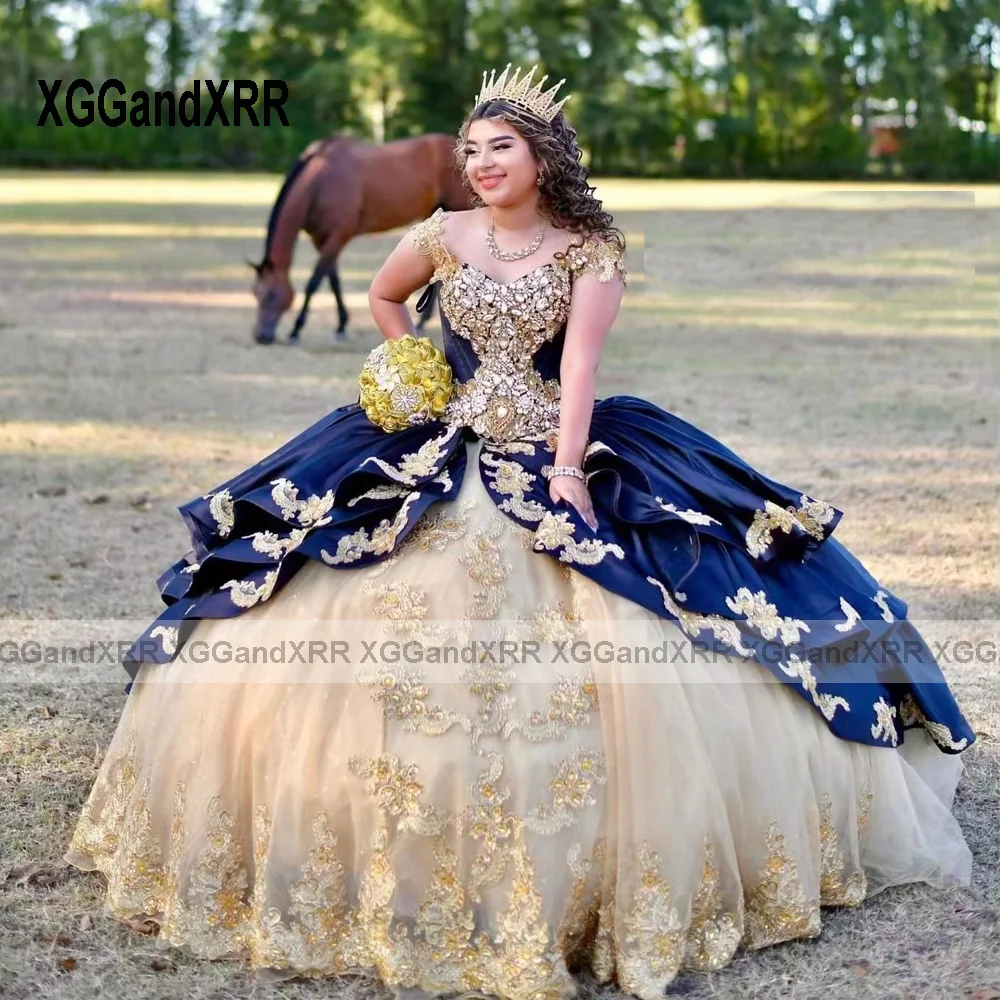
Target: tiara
x,y
522,93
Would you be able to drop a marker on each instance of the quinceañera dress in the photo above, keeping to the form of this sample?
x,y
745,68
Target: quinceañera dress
x,y
497,823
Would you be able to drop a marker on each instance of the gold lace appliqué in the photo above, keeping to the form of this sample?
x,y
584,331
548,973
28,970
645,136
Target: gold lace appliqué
x,y
811,515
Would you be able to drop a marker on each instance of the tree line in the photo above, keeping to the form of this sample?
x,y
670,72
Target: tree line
x,y
662,88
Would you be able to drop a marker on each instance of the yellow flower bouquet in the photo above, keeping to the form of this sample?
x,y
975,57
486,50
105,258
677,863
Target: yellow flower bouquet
x,y
405,381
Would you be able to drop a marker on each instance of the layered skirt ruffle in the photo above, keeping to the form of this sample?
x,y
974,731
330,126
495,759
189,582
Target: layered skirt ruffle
x,y
688,530
489,825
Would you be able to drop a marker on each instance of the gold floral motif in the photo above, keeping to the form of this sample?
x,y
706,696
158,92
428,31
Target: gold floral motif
x,y
386,491
603,952
578,925
513,448
427,237
418,464
404,610
168,637
485,563
525,964
512,481
273,545
802,670
404,695
140,880
811,515
693,623
371,941
307,512
490,682
881,599
434,532
654,934
597,256
557,623
319,908
247,593
814,515
99,830
910,714
446,922
852,616
556,531
777,908
764,617
397,791
884,726
382,539
573,699
487,821
715,933
221,508
689,515
214,909
865,800
840,884
760,535
400,603
572,788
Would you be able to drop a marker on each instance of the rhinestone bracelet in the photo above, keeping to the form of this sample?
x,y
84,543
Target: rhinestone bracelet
x,y
551,471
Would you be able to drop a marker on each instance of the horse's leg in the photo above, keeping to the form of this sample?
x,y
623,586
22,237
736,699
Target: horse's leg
x,y
315,280
342,312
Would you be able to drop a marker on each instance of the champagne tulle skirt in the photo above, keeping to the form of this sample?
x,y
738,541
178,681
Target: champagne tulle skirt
x,y
492,826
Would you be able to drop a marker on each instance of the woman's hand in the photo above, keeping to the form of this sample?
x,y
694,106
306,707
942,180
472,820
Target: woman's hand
x,y
574,491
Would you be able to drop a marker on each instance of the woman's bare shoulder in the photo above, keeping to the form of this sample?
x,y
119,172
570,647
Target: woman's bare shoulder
x,y
460,222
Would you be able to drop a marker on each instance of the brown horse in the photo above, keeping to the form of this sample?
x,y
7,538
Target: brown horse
x,y
339,188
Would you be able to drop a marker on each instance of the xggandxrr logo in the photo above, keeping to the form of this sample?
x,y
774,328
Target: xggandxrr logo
x,y
161,107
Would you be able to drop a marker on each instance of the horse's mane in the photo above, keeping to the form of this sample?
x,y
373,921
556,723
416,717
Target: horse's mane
x,y
286,186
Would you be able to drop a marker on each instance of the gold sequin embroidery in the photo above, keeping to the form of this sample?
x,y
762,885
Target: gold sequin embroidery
x,y
884,726
556,532
221,508
811,515
911,715
777,908
715,933
506,323
840,883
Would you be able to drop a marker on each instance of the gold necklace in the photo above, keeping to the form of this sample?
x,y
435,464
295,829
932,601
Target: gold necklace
x,y
510,255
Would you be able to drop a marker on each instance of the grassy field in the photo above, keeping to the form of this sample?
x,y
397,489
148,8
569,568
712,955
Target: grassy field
x,y
841,338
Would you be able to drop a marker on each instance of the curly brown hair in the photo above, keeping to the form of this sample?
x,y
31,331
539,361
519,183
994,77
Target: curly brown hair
x,y
567,198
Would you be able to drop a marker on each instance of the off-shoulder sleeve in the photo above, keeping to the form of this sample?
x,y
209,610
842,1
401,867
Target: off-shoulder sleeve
x,y
427,237
600,257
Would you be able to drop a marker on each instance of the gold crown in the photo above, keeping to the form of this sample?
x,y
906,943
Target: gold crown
x,y
522,93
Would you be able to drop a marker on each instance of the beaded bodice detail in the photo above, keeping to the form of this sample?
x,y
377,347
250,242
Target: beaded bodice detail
x,y
507,324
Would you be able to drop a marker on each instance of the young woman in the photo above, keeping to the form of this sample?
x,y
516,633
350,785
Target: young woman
x,y
495,823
